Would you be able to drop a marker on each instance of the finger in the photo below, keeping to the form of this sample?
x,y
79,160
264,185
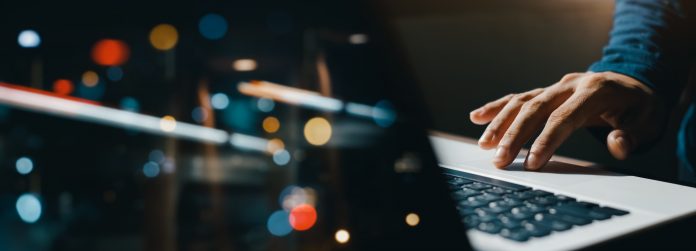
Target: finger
x,y
498,125
621,143
531,118
562,122
486,113
491,136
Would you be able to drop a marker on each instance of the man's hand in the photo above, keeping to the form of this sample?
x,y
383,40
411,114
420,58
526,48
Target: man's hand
x,y
580,99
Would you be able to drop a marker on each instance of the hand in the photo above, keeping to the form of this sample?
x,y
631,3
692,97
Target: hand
x,y
580,99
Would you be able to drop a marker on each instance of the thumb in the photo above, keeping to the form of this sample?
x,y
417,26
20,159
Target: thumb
x,y
621,143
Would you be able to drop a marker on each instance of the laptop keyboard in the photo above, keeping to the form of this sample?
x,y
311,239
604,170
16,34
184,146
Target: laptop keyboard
x,y
518,212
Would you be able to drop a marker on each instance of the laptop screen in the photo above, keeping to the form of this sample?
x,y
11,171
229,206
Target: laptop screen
x,y
212,125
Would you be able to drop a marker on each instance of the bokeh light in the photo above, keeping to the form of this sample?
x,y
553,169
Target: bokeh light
x,y
275,145
293,196
114,73
278,223
110,52
156,156
265,104
199,114
317,131
90,79
219,101
303,217
383,114
281,157
212,26
63,87
342,236
271,124
164,37
244,65
29,39
168,123
358,38
24,165
29,207
151,169
130,104
412,219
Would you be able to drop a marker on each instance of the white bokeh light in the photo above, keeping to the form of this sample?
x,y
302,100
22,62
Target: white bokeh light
x,y
29,39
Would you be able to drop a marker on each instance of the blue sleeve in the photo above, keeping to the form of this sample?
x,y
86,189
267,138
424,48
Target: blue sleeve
x,y
651,41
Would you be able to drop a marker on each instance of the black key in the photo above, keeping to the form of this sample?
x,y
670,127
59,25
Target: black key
x,y
454,187
494,208
543,201
587,204
535,229
478,186
540,193
521,195
464,194
498,191
552,222
509,222
492,227
470,221
510,203
582,212
459,181
488,197
578,221
516,234
611,211
485,217
495,182
564,199
534,209
472,203
521,213
465,211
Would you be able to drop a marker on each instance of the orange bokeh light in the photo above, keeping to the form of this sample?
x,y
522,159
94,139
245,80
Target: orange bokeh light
x,y
110,52
303,217
63,86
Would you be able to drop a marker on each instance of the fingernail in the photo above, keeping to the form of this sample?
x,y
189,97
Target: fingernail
x,y
486,137
500,155
532,162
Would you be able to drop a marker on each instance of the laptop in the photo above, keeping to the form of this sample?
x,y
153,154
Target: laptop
x,y
322,145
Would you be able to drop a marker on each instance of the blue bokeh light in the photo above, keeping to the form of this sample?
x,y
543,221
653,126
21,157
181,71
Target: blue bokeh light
x,y
219,101
130,104
29,207
279,223
24,165
281,157
114,73
151,169
212,26
29,39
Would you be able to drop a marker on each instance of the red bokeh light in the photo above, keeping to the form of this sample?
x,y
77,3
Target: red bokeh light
x,y
110,52
303,217
63,87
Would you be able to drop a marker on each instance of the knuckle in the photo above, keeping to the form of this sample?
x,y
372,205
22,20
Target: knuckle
x,y
570,76
560,118
533,105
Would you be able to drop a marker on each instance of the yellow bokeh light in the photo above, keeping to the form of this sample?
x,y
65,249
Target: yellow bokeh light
x,y
164,37
271,124
317,131
244,65
275,145
342,236
90,78
167,123
412,219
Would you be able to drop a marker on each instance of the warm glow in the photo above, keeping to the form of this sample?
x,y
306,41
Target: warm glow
x,y
110,52
275,145
412,219
342,236
271,124
164,37
90,79
167,123
244,65
63,87
303,217
317,131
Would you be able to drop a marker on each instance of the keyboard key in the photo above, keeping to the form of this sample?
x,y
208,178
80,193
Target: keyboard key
x,y
459,181
509,222
564,199
473,203
578,221
521,213
535,229
465,211
488,197
464,194
552,222
471,221
492,227
544,201
509,203
611,211
478,186
495,182
498,191
577,210
521,195
515,234
540,193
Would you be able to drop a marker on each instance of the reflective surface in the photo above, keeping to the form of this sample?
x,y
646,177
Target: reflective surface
x,y
208,126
